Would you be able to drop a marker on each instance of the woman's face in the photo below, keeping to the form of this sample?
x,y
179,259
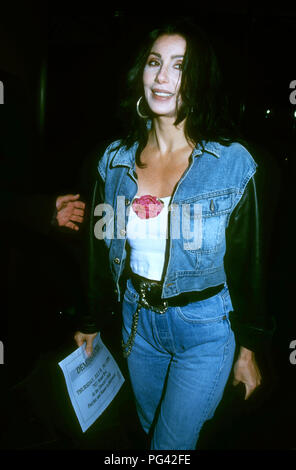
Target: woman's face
x,y
162,74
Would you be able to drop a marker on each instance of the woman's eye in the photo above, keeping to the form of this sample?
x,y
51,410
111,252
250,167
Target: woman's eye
x,y
153,63
179,66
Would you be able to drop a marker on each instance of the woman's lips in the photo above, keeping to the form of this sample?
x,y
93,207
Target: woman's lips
x,y
161,95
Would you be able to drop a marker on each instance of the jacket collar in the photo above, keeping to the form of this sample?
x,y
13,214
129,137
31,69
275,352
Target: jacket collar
x,y
213,148
124,157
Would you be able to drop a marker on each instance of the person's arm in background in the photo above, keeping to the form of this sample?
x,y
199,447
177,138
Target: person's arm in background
x,y
42,212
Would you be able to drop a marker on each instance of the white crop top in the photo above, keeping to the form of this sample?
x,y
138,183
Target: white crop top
x,y
147,239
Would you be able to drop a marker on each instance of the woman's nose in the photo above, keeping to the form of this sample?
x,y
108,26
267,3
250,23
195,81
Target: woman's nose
x,y
162,76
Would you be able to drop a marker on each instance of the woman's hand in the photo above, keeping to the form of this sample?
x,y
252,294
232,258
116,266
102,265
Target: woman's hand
x,y
247,371
81,338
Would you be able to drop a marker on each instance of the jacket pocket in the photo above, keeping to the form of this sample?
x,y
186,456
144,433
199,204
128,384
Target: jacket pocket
x,y
204,220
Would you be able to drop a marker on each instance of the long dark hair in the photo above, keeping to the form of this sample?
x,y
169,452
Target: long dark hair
x,y
204,102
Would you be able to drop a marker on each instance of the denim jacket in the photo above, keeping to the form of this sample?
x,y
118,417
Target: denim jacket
x,y
217,239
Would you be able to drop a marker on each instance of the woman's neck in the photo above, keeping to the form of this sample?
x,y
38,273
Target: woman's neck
x,y
167,137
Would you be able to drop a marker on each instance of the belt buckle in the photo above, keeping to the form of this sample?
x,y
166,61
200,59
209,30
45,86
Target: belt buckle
x,y
145,290
161,310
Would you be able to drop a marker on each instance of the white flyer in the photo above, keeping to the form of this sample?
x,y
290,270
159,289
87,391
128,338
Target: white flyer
x,y
92,382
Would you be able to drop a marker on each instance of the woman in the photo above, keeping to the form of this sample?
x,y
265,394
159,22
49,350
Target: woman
x,y
188,239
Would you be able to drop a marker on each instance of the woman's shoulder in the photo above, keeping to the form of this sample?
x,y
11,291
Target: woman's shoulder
x,y
238,152
105,157
111,147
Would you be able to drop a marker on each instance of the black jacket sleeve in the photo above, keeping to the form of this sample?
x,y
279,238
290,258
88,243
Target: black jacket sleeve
x,y
248,249
100,298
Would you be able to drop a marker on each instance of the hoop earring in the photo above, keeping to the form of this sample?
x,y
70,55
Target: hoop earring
x,y
138,109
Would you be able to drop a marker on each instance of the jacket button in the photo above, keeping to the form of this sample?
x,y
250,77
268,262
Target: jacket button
x,y
127,202
116,260
122,232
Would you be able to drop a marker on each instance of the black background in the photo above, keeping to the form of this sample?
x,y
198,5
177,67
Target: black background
x,y
63,68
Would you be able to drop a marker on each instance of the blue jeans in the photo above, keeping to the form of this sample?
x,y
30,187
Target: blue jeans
x,y
179,366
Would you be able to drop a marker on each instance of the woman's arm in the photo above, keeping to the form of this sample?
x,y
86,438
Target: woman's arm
x,y
100,301
248,239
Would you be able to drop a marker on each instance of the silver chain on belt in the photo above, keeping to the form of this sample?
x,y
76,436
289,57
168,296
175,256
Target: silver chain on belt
x,y
142,302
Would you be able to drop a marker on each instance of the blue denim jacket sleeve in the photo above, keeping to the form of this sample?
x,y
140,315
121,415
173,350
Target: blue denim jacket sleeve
x,y
248,240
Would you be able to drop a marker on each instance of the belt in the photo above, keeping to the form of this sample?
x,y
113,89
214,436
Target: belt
x,y
150,294
150,297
